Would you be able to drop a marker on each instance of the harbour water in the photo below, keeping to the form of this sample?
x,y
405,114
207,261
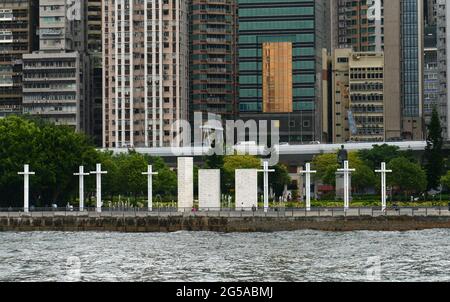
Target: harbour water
x,y
202,256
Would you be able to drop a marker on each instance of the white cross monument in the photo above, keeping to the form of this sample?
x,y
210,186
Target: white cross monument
x,y
81,175
150,174
26,186
346,171
308,173
98,172
266,171
383,172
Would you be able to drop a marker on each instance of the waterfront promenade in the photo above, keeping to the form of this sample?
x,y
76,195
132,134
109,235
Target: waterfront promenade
x,y
371,219
224,212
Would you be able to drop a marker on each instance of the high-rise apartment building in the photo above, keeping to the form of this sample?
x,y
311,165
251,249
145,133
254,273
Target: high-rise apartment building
x,y
280,65
396,28
213,57
55,77
358,25
17,37
366,90
146,77
94,27
52,88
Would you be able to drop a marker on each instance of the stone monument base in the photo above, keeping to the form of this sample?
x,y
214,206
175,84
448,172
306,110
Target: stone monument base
x,y
209,190
246,189
340,186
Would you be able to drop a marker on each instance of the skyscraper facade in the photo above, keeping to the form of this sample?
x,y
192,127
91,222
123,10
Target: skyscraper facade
x,y
52,88
17,37
94,27
94,50
443,60
430,12
396,28
411,37
145,71
55,77
213,57
280,65
431,77
358,25
357,96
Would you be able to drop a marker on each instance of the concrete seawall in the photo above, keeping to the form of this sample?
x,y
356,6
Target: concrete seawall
x,y
221,224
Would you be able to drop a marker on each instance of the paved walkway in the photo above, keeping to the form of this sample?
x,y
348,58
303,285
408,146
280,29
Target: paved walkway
x,y
353,212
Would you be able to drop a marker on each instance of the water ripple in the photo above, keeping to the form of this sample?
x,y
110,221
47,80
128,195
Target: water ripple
x,y
191,256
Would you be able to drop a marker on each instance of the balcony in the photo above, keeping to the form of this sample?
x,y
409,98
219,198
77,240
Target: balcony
x,y
214,51
217,70
40,67
216,30
216,60
215,40
50,79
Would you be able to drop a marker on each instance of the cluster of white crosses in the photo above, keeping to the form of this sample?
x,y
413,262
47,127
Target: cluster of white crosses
x,y
209,186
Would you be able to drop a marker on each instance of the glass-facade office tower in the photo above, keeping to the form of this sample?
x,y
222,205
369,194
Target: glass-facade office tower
x,y
410,58
280,62
411,37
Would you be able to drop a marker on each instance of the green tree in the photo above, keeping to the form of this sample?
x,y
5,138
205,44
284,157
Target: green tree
x,y
445,180
407,176
327,166
53,152
130,178
214,161
110,181
378,154
196,168
18,138
60,152
165,183
279,179
363,177
383,153
433,157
